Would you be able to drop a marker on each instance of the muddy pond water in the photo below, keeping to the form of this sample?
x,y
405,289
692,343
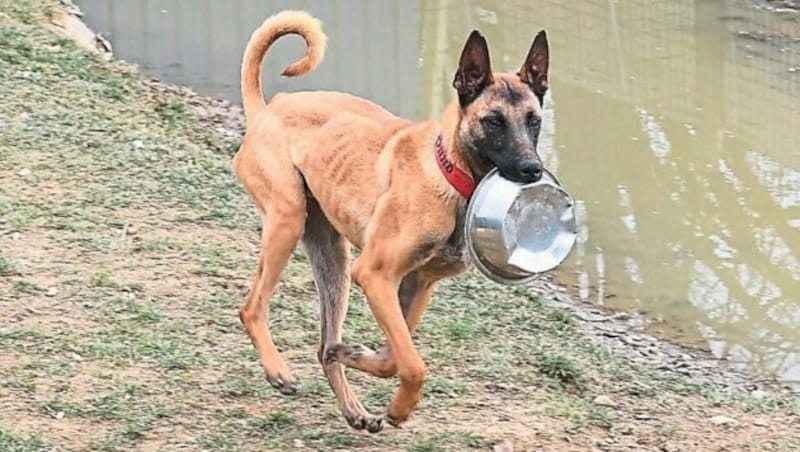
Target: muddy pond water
x,y
674,124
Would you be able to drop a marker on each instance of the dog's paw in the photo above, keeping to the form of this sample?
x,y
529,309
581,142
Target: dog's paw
x,y
375,424
286,384
396,423
344,353
372,424
395,419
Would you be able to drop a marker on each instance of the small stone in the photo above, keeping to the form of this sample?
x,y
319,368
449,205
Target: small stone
x,y
137,144
631,340
626,430
495,387
604,400
759,394
722,420
59,415
132,230
759,422
16,236
298,443
589,317
24,172
52,292
503,446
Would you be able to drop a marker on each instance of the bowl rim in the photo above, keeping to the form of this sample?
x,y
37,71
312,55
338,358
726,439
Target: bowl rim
x,y
476,260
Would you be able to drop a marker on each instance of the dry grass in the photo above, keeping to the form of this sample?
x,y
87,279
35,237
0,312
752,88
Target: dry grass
x,y
125,244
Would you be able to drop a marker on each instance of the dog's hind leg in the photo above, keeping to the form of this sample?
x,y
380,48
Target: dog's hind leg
x,y
414,294
329,255
277,190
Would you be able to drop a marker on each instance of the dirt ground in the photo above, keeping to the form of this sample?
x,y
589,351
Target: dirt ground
x,y
126,248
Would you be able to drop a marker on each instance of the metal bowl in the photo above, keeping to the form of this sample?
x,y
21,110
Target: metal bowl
x,y
515,232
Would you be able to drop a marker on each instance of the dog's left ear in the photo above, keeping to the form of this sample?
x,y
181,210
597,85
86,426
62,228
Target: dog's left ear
x,y
534,70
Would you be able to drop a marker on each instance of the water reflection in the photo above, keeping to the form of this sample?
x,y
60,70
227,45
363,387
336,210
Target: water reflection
x,y
200,43
675,124
703,186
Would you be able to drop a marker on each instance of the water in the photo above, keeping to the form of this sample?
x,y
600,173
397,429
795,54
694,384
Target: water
x,y
674,124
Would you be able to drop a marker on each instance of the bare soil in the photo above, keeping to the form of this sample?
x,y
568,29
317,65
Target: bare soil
x,y
126,247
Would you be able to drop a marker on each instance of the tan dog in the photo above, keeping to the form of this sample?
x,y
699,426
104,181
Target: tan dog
x,y
331,169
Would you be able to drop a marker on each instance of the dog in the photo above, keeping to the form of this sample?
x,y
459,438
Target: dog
x,y
332,170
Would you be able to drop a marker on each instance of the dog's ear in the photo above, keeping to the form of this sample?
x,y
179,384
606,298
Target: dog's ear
x,y
474,70
534,70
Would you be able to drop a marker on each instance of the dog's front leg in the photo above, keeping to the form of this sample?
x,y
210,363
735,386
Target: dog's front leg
x,y
414,293
379,280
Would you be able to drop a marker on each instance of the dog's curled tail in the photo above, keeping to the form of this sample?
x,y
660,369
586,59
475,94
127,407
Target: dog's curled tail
x,y
283,23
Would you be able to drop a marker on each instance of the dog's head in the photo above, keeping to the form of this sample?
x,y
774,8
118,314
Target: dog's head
x,y
501,114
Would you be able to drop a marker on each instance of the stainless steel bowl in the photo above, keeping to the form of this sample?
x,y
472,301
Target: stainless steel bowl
x,y
516,232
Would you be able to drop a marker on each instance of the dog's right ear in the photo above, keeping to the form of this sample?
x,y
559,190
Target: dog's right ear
x,y
474,70
534,71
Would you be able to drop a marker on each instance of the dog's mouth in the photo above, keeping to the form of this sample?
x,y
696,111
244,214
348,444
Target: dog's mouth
x,y
507,172
519,172
527,173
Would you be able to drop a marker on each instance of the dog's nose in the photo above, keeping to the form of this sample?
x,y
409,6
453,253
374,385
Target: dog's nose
x,y
531,170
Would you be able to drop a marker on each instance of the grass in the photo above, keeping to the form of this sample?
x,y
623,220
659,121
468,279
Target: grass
x,y
450,440
562,369
102,279
10,442
7,267
26,287
141,347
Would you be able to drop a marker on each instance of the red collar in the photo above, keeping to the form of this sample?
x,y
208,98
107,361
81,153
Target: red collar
x,y
460,180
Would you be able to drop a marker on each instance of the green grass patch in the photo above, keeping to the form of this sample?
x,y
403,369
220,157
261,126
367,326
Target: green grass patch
x,y
26,287
272,423
143,336
579,412
22,385
447,441
11,442
7,266
103,279
562,369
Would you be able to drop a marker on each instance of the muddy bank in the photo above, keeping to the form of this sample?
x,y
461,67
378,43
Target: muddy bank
x,y
68,21
624,333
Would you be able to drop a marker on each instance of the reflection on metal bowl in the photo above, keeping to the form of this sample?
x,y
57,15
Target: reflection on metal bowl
x,y
515,232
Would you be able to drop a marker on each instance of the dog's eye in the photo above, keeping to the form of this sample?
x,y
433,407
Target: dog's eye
x,y
494,121
533,120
